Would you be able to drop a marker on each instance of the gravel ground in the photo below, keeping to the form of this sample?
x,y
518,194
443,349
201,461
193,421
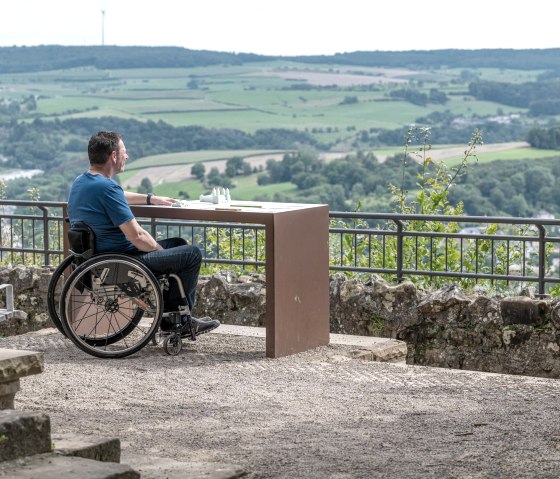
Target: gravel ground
x,y
317,414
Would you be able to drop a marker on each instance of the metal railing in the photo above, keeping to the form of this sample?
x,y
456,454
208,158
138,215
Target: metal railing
x,y
31,231
498,250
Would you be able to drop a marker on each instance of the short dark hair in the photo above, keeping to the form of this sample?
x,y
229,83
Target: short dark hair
x,y
101,145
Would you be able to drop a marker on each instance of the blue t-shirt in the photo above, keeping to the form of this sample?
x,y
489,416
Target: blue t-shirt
x,y
100,202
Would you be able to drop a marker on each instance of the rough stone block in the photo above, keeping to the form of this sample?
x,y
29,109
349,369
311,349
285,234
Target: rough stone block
x,y
52,466
390,353
88,447
372,349
523,310
15,364
23,433
8,392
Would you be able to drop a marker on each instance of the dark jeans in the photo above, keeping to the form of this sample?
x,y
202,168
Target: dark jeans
x,y
179,258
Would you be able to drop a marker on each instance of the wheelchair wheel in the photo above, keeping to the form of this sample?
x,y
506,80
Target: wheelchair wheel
x,y
111,306
54,291
172,344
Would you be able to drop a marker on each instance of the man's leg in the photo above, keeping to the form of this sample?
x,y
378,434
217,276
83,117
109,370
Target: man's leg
x,y
179,258
183,260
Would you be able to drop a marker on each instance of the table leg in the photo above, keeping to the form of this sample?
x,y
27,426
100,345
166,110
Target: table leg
x,y
297,275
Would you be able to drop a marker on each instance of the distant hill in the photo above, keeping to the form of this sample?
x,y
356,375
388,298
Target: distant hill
x,y
56,57
546,59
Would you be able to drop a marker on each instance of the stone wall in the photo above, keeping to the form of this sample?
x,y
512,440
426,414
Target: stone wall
x,y
30,296
445,328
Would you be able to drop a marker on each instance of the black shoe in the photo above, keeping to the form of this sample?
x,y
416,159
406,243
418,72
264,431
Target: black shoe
x,y
199,325
168,324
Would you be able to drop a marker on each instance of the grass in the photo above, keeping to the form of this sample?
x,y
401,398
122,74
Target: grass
x,y
246,188
193,187
518,154
513,154
187,157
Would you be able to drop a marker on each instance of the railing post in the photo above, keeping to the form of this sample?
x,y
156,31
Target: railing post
x,y
400,249
542,260
46,248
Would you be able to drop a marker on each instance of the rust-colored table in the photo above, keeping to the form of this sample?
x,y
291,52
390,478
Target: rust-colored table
x,y
297,265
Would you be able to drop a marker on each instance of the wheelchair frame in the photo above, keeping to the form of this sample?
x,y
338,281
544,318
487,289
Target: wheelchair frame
x,y
111,305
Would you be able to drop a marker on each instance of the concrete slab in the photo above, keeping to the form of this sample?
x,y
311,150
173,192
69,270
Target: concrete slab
x,y
23,433
51,466
98,448
364,347
151,467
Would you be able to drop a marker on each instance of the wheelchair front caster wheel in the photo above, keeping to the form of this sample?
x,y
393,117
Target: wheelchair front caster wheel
x,y
173,344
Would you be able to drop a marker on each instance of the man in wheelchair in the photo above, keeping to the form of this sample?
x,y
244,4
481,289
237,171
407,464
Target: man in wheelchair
x,y
99,201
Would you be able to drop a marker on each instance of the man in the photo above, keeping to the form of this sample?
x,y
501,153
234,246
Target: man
x,y
96,199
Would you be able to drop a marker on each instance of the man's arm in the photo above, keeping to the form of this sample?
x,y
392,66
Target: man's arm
x,y
138,236
142,199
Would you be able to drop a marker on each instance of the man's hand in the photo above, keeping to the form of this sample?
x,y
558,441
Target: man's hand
x,y
163,200
142,199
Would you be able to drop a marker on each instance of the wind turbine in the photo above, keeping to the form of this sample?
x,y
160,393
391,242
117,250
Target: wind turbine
x,y
102,28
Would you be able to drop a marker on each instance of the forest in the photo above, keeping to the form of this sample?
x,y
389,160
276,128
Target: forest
x,y
53,57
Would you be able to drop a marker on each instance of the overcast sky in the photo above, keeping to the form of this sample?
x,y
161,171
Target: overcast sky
x,y
285,27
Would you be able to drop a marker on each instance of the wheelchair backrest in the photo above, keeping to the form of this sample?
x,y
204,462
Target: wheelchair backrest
x,y
82,241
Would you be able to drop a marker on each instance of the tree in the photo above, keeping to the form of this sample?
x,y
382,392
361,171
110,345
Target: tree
x,y
146,186
198,170
215,178
497,198
536,179
304,181
518,206
237,166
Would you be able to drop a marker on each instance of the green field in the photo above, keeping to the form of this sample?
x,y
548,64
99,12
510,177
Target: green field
x,y
245,188
188,157
514,154
254,96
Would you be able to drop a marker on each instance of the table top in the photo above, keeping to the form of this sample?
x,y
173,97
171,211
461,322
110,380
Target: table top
x,y
240,205
249,211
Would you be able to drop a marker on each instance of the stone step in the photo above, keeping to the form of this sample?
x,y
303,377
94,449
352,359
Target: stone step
x,y
370,348
23,434
102,449
53,466
15,364
151,467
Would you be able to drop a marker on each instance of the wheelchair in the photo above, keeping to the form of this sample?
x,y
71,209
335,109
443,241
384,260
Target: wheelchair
x,y
111,305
